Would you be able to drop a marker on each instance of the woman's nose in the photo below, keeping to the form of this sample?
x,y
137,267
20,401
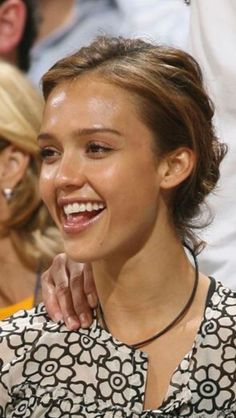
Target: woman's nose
x,y
70,172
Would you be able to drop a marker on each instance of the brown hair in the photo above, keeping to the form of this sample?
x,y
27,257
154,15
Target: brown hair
x,y
172,102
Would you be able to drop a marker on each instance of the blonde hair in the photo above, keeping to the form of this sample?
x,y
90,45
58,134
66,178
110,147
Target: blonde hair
x,y
29,226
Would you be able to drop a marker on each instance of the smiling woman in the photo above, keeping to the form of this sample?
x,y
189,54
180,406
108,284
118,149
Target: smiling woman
x,y
129,154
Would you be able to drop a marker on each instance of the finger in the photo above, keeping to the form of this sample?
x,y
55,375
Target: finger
x,y
49,297
79,298
89,286
74,268
63,294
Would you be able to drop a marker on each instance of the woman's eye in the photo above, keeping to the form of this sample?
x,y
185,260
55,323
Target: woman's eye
x,y
47,153
97,149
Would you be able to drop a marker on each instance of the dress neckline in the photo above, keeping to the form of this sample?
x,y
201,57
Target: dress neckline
x,y
121,346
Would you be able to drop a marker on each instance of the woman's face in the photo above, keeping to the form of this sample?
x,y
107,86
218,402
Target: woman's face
x,y
100,178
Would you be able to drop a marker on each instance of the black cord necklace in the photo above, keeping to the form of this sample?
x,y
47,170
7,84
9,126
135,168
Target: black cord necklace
x,y
180,315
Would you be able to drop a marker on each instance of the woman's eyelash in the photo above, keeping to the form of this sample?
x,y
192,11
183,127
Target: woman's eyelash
x,y
46,152
97,148
91,148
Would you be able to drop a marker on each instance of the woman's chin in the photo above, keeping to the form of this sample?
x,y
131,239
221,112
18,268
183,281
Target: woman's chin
x,y
80,256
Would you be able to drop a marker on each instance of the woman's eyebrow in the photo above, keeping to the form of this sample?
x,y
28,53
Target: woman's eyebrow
x,y
45,136
81,132
90,131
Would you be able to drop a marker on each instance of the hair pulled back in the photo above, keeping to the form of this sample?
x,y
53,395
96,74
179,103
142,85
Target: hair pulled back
x,y
172,102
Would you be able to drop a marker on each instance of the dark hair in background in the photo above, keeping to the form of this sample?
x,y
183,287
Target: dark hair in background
x,y
167,86
29,34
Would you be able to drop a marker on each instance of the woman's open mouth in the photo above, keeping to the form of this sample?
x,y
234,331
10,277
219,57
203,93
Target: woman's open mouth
x,y
76,216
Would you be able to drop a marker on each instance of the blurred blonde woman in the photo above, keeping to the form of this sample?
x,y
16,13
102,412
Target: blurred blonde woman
x,y
28,238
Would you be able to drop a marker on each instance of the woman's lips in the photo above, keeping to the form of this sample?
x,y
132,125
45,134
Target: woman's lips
x,y
75,223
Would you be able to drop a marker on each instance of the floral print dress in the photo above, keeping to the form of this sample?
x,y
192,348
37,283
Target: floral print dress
x,y
48,371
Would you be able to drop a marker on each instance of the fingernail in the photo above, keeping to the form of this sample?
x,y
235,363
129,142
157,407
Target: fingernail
x,y
84,320
72,323
92,300
57,317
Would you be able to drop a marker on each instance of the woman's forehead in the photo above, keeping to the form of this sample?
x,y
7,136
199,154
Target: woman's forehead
x,y
97,107
93,98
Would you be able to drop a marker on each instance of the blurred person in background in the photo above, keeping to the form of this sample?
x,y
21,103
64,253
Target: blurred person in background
x,y
67,25
28,238
212,43
18,29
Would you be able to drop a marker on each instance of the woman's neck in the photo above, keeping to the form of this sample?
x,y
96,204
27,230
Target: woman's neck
x,y
146,292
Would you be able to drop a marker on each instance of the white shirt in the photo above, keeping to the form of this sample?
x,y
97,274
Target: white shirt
x,y
213,44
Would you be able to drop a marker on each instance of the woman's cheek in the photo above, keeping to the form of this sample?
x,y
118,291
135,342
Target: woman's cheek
x,y
46,183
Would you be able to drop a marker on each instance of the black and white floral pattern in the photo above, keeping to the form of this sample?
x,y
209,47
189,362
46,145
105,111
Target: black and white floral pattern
x,y
47,371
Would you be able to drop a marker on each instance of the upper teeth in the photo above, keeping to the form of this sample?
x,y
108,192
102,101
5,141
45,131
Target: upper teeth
x,y
82,207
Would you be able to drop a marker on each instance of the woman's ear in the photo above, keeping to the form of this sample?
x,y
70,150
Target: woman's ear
x,y
13,166
177,167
